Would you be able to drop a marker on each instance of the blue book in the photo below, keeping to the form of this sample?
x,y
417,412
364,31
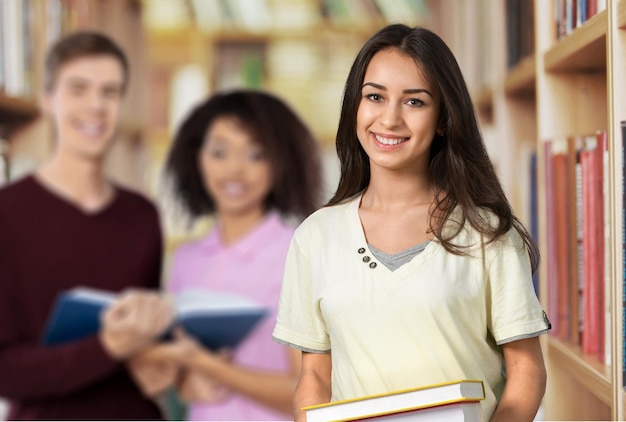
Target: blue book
x,y
215,319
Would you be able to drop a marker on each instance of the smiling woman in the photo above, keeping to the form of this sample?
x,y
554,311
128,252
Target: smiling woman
x,y
235,170
418,256
247,159
399,113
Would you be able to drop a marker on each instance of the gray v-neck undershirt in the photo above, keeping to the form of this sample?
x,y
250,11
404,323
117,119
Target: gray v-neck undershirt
x,y
396,260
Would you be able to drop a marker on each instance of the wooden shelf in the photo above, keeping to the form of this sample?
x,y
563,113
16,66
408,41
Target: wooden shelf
x,y
591,373
582,50
235,34
483,100
621,14
520,80
15,110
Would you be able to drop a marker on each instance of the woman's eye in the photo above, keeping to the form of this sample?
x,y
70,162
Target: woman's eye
x,y
415,102
217,153
373,97
256,156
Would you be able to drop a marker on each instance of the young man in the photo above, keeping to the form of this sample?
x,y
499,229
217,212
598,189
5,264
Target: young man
x,y
67,226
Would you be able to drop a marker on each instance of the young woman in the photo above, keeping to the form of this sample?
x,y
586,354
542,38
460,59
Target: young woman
x,y
416,272
246,158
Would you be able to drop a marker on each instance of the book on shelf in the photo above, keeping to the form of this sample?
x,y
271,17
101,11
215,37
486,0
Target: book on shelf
x,y
593,251
550,239
216,319
2,53
534,216
571,14
623,202
520,30
241,64
577,253
605,238
414,12
449,401
562,228
13,48
577,238
557,191
574,239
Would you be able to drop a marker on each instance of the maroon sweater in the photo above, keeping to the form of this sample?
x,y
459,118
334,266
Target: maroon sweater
x,y
48,245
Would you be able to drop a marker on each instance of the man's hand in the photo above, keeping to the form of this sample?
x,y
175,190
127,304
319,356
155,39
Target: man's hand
x,y
134,321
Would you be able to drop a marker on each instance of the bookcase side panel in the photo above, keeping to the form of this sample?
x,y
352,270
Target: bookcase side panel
x,y
567,399
617,114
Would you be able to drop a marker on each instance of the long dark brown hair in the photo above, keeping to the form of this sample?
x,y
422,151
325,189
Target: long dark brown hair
x,y
459,168
288,143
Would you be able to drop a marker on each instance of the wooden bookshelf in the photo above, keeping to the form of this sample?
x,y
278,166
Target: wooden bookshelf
x,y
572,85
586,370
583,49
579,91
520,80
16,110
621,14
483,102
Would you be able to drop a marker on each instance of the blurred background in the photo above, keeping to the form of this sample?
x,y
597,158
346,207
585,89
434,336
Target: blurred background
x,y
545,76
181,51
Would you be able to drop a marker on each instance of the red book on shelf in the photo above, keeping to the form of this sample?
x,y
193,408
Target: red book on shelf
x,y
587,341
592,8
574,145
593,249
562,227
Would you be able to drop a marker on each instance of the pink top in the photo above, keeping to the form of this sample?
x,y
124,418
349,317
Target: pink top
x,y
252,267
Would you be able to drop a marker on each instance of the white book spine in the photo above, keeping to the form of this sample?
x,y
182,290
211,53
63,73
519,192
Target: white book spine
x,y
13,39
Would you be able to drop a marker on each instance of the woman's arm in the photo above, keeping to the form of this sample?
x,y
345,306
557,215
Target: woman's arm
x,y
273,389
526,381
314,386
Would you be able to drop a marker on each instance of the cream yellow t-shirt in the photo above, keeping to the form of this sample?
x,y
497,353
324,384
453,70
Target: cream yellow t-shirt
x,y
437,318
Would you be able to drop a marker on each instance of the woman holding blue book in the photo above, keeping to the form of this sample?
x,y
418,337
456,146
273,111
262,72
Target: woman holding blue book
x,y
247,159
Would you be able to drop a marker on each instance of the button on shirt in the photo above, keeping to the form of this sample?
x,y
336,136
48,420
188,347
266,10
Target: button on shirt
x,y
251,267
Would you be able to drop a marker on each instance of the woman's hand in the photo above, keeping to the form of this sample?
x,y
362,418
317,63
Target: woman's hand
x,y
197,387
153,377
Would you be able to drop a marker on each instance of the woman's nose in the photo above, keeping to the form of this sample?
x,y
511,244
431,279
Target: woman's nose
x,y
391,116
